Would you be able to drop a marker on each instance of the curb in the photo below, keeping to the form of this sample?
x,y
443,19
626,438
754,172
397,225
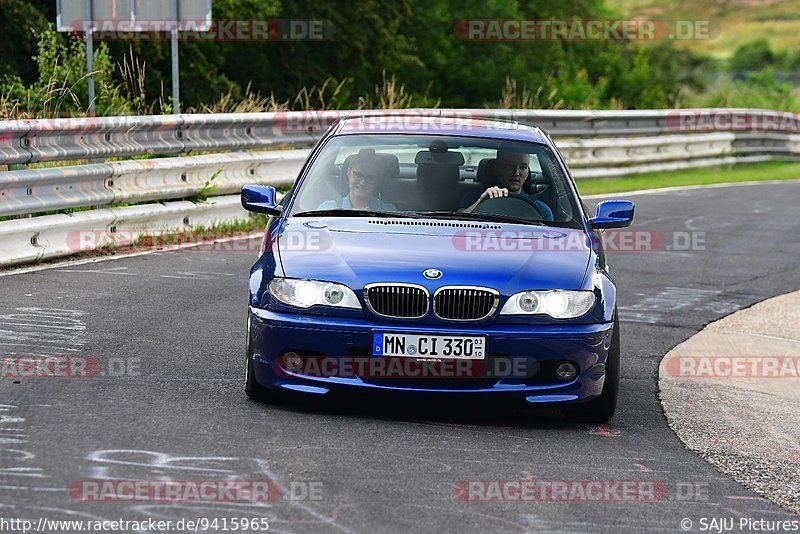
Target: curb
x,y
732,395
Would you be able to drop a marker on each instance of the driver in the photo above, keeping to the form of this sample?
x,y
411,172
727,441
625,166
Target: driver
x,y
510,171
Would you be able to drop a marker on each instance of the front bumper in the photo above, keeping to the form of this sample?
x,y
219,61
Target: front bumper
x,y
520,359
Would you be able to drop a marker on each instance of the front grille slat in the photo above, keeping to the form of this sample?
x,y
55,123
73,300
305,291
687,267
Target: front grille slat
x,y
471,303
397,300
464,303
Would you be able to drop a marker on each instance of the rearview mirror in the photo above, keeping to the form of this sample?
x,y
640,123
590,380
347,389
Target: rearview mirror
x,y
613,214
260,199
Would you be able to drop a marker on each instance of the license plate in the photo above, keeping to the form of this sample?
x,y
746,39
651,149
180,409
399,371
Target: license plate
x,y
424,346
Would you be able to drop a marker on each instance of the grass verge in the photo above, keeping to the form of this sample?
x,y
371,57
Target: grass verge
x,y
745,172
201,234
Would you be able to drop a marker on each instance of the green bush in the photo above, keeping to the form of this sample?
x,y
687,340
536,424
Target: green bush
x,y
62,84
753,56
760,90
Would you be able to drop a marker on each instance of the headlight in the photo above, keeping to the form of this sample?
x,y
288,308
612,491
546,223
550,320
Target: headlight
x,y
307,293
557,304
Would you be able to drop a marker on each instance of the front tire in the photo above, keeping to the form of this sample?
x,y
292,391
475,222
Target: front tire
x,y
601,409
254,391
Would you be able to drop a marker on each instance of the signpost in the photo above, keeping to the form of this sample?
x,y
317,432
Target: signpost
x,y
133,16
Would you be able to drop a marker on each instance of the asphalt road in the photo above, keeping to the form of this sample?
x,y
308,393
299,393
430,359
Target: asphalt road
x,y
174,322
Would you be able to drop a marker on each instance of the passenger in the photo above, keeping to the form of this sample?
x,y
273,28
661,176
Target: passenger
x,y
510,170
364,177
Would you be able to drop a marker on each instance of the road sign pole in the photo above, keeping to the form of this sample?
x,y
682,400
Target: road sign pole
x,y
176,75
88,25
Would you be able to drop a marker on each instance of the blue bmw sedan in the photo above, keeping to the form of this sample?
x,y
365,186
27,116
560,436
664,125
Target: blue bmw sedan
x,y
435,256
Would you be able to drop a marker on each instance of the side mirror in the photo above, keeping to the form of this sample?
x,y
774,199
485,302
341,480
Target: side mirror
x,y
613,214
260,199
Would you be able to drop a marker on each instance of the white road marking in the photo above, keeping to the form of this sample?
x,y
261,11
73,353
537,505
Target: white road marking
x,y
115,270
54,331
652,309
690,222
187,275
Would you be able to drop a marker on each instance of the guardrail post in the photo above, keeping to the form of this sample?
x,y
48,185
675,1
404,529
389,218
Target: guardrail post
x,y
19,167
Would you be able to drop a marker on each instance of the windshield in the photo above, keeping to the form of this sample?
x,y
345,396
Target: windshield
x,y
437,176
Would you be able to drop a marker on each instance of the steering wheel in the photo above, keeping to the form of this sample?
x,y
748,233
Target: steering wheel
x,y
514,205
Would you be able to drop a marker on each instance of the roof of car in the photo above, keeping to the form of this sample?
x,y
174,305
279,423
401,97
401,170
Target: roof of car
x,y
464,126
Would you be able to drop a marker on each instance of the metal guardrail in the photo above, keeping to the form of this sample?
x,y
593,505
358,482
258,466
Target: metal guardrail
x,y
102,184
595,144
54,236
33,141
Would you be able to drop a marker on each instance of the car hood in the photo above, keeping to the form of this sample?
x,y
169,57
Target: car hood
x,y
506,257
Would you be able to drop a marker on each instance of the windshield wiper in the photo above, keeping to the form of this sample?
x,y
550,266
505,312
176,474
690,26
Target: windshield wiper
x,y
482,217
343,212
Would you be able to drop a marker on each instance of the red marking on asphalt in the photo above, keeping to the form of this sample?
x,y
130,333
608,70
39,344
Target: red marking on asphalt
x,y
790,454
604,431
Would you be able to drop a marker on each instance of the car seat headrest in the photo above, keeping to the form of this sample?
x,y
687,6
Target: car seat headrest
x,y
485,174
392,164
